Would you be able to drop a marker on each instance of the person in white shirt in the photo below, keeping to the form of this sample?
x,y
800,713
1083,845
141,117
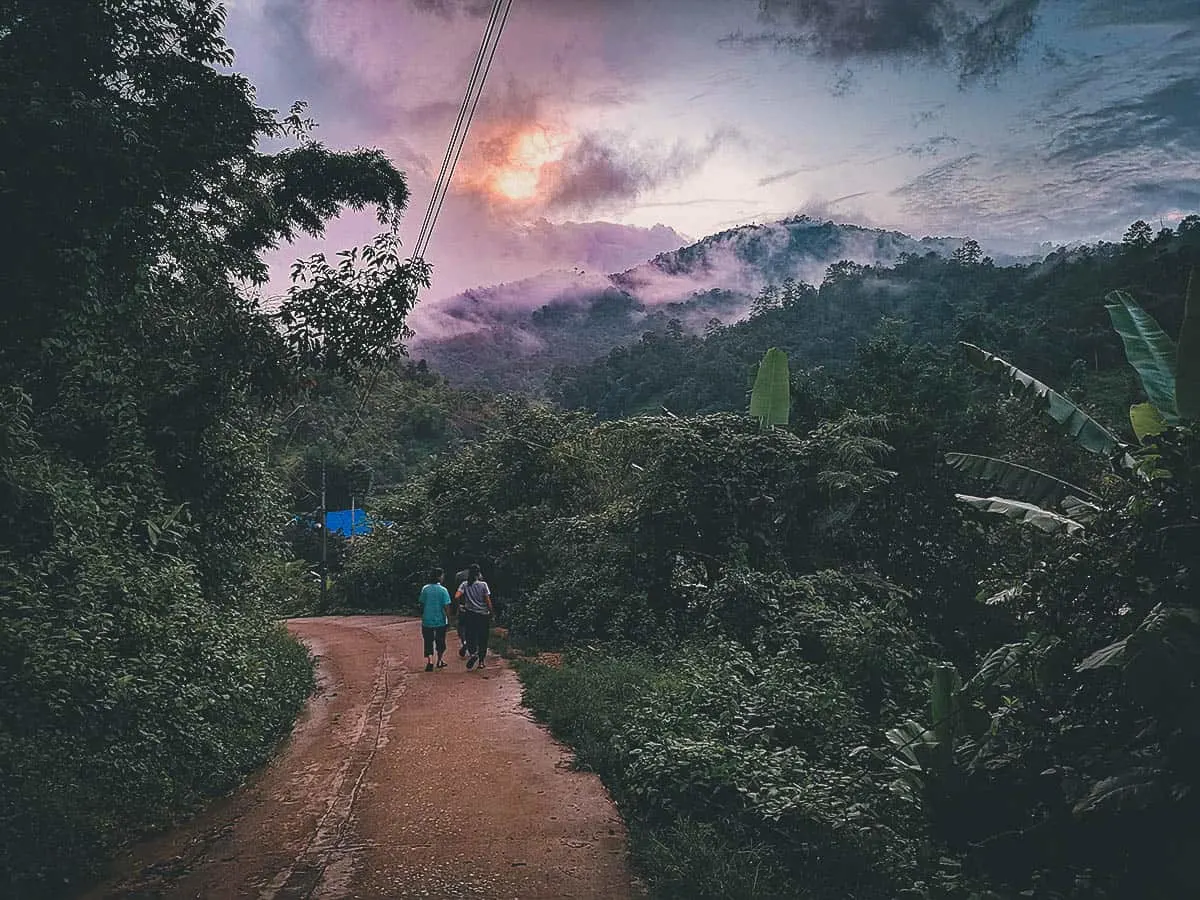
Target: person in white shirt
x,y
476,600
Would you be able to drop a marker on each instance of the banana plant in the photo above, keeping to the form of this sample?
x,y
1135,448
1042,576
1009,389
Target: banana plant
x,y
1025,513
1033,489
1031,484
770,400
1170,375
1080,427
922,757
1169,371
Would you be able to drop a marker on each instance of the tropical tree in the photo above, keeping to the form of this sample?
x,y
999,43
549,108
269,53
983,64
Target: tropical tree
x,y
1112,710
969,254
770,400
1169,372
1170,376
140,520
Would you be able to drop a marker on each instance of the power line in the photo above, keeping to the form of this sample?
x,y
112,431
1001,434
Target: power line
x,y
438,199
466,113
462,112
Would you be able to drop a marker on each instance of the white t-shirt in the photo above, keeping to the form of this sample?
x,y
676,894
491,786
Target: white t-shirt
x,y
476,595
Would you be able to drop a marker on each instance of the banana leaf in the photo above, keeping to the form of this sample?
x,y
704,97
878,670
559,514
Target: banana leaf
x,y
1148,349
1136,789
770,401
1028,484
1082,511
1146,420
1026,513
997,666
1085,430
1187,360
1111,655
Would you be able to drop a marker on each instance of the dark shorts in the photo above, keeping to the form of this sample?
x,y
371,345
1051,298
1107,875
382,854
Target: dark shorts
x,y
477,626
434,636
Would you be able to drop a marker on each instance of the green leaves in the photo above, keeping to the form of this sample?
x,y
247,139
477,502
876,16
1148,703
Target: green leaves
x,y
352,315
1132,790
1110,655
1168,639
1029,484
1082,428
1034,487
1149,350
1146,420
1025,513
997,666
770,401
1187,367
1170,374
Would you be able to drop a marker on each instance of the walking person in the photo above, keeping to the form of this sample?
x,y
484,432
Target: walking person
x,y
477,598
435,604
460,618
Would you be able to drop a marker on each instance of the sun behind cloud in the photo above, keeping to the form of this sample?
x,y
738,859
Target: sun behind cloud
x,y
519,176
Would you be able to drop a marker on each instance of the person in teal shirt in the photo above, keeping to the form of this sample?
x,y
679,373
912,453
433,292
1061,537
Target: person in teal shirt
x,y
435,603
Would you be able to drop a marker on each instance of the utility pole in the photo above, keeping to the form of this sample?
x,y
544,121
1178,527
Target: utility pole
x,y
324,537
350,542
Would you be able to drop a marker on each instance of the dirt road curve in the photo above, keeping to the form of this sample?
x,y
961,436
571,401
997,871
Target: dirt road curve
x,y
397,783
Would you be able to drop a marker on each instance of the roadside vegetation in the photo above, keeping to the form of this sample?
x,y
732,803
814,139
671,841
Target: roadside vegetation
x,y
142,561
810,659
932,630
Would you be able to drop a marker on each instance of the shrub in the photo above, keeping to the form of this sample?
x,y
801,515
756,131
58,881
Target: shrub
x,y
749,747
129,694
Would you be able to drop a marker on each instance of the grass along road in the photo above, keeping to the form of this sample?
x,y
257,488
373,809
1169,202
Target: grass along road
x,y
397,783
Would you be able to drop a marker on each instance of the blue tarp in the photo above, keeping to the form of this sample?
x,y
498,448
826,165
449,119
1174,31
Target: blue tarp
x,y
338,521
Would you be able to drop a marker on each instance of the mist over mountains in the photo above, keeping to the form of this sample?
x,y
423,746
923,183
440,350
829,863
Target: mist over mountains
x,y
510,336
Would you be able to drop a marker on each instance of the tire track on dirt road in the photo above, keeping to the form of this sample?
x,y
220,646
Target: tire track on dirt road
x,y
396,783
304,876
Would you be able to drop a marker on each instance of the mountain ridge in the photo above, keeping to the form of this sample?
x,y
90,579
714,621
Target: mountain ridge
x,y
567,316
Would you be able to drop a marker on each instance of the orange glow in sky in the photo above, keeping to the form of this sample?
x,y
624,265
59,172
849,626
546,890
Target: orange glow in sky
x,y
531,151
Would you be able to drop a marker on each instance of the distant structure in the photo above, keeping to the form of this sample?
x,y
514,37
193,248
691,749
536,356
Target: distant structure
x,y
349,522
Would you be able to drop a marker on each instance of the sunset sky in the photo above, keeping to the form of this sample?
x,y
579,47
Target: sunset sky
x,y
604,118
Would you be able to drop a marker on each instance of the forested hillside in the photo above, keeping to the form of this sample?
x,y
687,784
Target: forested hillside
x,y
1050,315
508,337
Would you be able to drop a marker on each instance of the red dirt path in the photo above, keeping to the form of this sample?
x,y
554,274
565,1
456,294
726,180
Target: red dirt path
x,y
397,783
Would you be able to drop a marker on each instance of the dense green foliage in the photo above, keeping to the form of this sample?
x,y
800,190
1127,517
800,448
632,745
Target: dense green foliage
x,y
814,671
680,533
1050,316
140,557
365,437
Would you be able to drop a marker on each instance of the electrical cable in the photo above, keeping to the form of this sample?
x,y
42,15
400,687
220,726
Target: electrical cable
x,y
462,112
439,198
466,112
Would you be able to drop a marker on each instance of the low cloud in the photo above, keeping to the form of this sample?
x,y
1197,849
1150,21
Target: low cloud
x,y
778,177
474,249
600,246
606,171
577,258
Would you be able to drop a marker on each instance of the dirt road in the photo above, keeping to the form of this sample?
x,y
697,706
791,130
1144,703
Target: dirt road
x,y
397,783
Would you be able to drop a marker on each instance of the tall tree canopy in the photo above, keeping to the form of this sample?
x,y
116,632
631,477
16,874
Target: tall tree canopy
x,y
139,519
